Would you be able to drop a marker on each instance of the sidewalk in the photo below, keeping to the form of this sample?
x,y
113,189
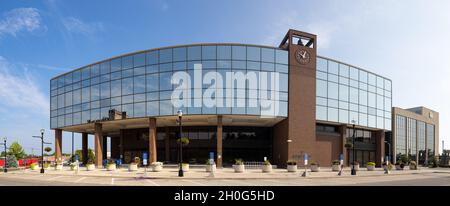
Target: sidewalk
x,y
226,173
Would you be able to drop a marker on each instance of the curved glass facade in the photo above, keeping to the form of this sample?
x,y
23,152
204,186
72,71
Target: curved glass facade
x,y
346,93
140,83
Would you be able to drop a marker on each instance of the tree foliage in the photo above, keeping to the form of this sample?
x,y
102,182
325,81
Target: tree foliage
x,y
16,149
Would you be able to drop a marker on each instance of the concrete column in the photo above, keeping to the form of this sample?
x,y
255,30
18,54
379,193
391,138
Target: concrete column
x,y
84,147
152,140
167,145
58,144
219,142
379,159
105,147
98,145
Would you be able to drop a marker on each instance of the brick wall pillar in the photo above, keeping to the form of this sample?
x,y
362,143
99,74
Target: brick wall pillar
x,y
152,140
58,144
98,145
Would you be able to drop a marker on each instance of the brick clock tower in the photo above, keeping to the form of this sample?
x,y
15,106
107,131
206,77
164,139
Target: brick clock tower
x,y
297,134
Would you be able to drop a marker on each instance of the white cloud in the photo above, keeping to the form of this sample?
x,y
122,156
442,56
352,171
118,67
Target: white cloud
x,y
279,27
20,91
75,25
20,19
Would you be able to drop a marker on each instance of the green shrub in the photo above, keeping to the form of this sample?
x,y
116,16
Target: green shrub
x,y
238,162
11,161
371,164
336,162
291,162
267,162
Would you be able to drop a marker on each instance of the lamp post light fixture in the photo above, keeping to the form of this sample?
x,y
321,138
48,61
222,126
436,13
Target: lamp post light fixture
x,y
180,171
42,149
353,172
5,169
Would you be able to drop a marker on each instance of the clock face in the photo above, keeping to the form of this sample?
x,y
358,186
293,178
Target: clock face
x,y
302,56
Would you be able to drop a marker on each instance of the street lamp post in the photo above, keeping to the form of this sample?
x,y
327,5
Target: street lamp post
x,y
180,171
5,169
389,152
353,172
42,149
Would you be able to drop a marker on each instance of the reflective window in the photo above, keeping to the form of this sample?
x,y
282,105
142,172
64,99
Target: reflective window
x,y
194,53
139,60
179,54
209,52
127,62
165,55
127,86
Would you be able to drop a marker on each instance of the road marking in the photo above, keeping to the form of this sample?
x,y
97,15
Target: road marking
x,y
193,182
54,178
78,180
112,181
151,182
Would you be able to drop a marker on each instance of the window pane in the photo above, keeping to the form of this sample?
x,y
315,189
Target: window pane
x,y
116,64
164,82
139,60
152,82
127,62
152,57
105,91
127,86
165,55
209,52
139,84
267,55
224,52
253,53
179,54
321,88
333,90
194,53
116,89
281,56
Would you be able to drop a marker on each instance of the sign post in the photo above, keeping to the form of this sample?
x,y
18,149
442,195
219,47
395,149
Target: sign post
x,y
305,160
144,162
341,164
213,164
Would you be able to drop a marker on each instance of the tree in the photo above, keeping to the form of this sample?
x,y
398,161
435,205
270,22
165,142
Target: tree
x,y
16,149
48,149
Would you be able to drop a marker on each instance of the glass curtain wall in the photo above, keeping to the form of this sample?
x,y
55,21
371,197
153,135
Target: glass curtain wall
x,y
345,93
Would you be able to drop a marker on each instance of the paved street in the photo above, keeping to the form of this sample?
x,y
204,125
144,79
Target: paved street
x,y
251,178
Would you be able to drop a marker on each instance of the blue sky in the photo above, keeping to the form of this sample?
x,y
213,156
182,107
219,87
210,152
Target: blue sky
x,y
406,41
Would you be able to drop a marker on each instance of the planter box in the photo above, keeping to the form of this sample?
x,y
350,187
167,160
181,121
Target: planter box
x,y
267,168
90,167
315,168
292,168
397,167
413,167
185,167
58,167
132,167
35,167
239,168
111,167
370,168
73,168
335,168
156,168
210,168
356,167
